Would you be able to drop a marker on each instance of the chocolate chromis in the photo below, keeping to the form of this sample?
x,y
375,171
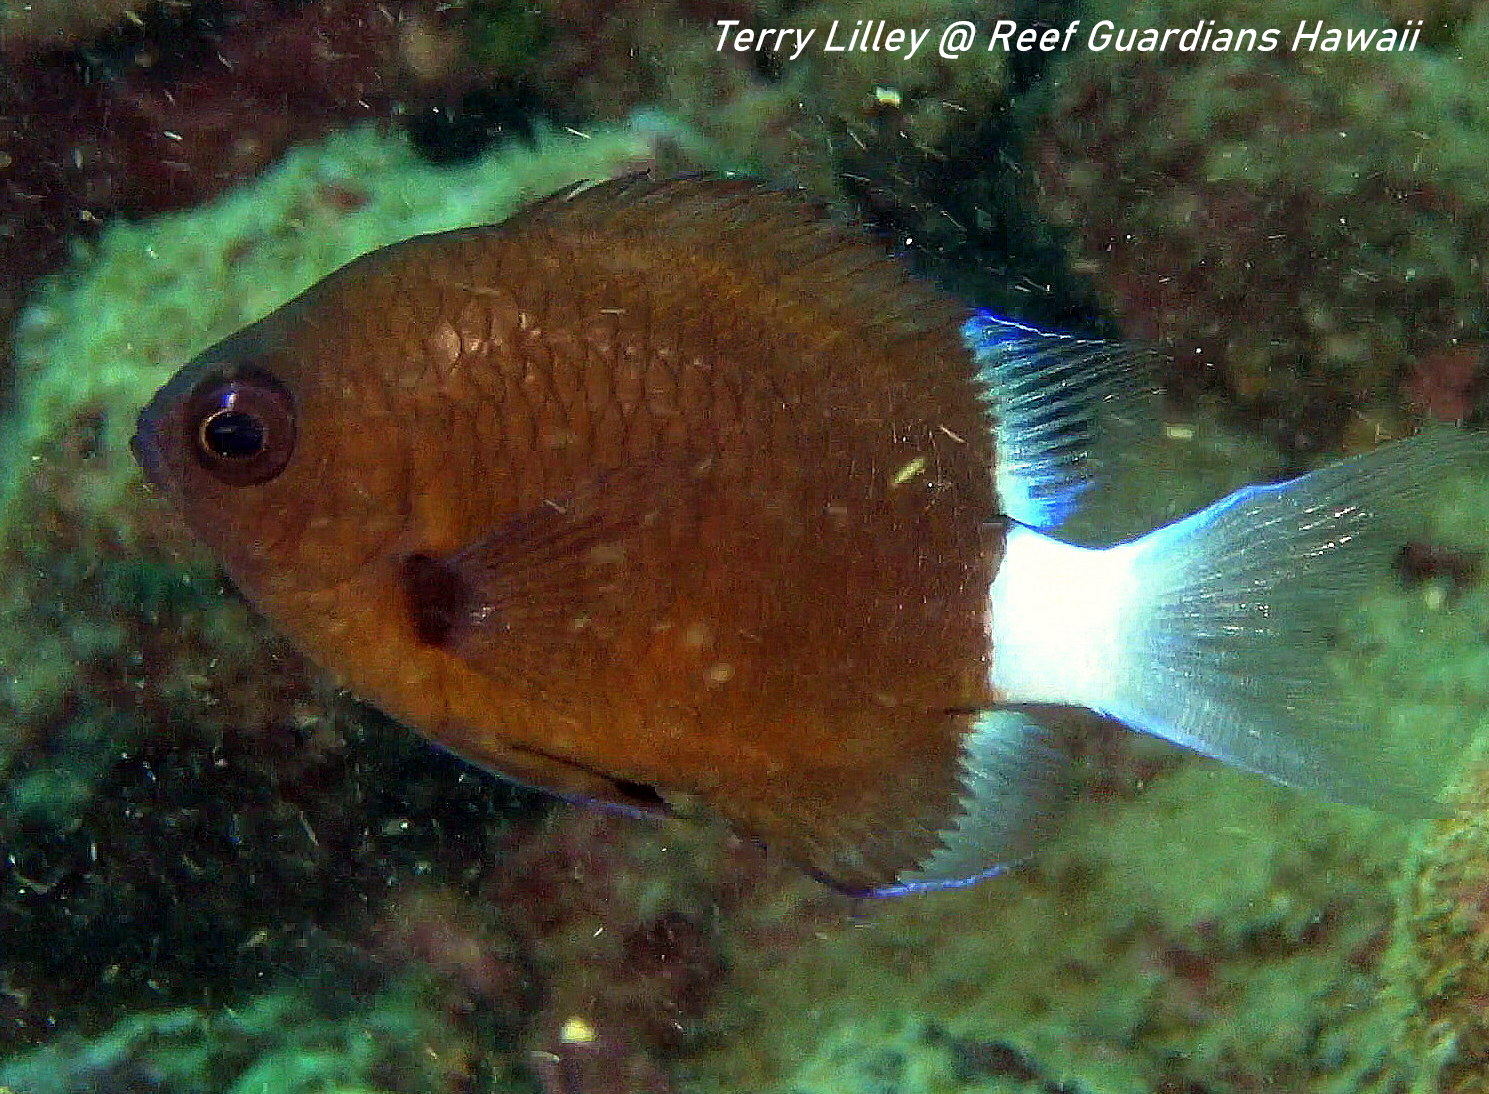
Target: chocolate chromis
x,y
674,491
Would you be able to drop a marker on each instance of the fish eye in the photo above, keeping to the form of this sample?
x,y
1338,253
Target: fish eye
x,y
243,428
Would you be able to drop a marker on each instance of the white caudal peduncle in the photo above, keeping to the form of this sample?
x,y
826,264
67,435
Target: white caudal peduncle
x,y
1058,620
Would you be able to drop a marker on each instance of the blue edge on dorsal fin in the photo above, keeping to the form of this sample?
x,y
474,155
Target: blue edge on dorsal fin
x,y
1060,402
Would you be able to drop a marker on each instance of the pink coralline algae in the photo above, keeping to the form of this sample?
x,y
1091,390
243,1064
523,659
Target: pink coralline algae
x,y
596,943
462,945
1444,385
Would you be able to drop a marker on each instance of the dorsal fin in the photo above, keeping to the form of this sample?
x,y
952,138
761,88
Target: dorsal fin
x,y
1070,412
782,237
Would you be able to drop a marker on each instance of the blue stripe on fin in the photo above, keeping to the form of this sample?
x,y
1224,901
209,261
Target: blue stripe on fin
x,y
1065,409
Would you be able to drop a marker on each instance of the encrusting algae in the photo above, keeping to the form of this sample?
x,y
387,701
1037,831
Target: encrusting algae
x,y
1440,955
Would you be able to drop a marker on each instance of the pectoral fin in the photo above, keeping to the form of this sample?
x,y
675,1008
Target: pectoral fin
x,y
542,593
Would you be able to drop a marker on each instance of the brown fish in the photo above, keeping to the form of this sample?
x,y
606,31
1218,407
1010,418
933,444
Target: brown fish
x,y
674,490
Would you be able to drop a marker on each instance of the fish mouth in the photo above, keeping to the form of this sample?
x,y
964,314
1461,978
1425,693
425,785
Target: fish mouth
x,y
145,446
157,420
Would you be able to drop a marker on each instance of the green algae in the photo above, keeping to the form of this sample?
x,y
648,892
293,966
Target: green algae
x,y
1440,947
288,1041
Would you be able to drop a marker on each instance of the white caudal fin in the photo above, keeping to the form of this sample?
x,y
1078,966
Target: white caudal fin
x,y
1213,632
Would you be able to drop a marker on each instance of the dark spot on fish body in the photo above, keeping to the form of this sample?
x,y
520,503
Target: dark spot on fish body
x,y
438,598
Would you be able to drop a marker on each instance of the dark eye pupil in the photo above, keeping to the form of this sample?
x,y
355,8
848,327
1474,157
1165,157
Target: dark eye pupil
x,y
233,435
242,427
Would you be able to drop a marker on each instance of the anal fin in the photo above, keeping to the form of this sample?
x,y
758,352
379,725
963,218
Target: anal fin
x,y
928,821
1014,778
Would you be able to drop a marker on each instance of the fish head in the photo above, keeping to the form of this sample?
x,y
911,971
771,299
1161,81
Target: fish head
x,y
351,461
270,456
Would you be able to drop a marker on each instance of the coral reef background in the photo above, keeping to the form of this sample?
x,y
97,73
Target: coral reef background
x,y
222,874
